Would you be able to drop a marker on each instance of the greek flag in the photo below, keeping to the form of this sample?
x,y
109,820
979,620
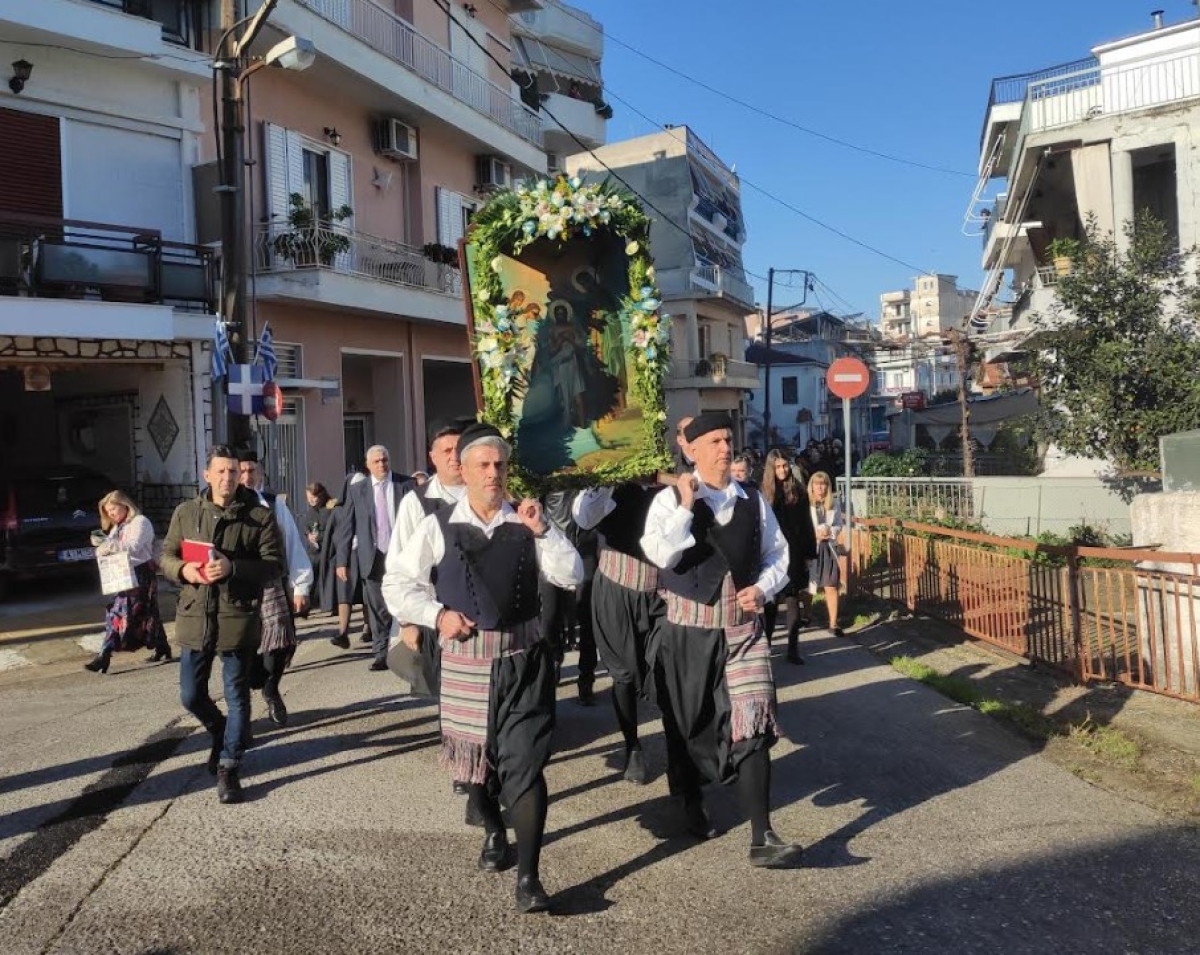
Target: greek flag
x,y
266,354
221,352
245,389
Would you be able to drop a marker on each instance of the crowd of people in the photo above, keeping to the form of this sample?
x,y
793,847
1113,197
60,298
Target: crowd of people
x,y
673,584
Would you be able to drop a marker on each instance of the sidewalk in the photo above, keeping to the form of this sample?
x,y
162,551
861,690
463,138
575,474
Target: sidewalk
x,y
930,829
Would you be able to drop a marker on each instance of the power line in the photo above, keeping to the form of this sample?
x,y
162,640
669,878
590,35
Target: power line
x,y
758,109
783,202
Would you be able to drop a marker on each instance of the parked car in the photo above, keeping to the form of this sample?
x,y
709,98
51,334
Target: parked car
x,y
46,519
879,441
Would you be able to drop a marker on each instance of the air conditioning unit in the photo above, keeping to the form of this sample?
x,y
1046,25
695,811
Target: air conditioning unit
x,y
395,139
494,173
552,165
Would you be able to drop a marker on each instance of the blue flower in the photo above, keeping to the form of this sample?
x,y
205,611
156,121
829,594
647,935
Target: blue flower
x,y
651,353
529,227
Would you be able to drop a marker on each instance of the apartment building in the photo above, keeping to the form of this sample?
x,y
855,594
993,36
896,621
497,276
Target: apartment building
x,y
1099,139
106,302
364,171
913,324
697,235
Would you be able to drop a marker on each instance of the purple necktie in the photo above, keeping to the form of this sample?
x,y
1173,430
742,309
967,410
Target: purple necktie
x,y
383,523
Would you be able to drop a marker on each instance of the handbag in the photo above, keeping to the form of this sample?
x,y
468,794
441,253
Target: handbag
x,y
116,573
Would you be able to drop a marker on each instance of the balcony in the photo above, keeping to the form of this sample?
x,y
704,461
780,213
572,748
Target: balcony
x,y
568,27
716,371
707,281
70,259
438,73
580,117
336,267
183,22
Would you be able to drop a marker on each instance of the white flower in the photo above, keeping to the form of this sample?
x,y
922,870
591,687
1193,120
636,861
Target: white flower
x,y
497,263
632,248
576,182
482,295
650,273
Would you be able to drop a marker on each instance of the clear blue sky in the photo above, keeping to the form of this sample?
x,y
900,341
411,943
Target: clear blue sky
x,y
910,80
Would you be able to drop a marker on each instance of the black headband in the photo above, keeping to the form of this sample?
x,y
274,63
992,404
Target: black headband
x,y
476,432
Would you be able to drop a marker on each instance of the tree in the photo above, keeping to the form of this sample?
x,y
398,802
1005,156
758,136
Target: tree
x,y
1123,367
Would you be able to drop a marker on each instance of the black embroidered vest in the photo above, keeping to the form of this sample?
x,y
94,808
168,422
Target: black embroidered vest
x,y
734,549
493,582
624,526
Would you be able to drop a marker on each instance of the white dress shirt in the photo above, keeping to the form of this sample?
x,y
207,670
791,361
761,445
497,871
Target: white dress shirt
x,y
406,584
669,531
389,490
590,507
409,517
295,553
135,537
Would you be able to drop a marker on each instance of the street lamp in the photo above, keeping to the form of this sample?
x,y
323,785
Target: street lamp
x,y
233,69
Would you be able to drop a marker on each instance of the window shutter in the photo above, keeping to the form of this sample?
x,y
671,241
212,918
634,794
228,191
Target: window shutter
x,y
295,162
276,171
449,217
340,193
30,164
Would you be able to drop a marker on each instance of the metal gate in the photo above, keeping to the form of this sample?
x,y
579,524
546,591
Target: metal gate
x,y
283,442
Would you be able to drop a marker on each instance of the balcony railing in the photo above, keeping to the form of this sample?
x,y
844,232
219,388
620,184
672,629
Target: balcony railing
x,y
382,30
1111,90
281,248
716,369
68,258
703,280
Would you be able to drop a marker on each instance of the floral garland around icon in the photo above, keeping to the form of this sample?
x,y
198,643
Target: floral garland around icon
x,y
505,329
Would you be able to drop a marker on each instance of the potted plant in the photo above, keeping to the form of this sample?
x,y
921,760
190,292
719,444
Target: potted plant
x,y
1062,252
309,239
441,254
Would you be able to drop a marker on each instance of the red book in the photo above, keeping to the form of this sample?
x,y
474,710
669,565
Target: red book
x,y
196,552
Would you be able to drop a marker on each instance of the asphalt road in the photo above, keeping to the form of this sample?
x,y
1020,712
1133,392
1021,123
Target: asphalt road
x,y
930,829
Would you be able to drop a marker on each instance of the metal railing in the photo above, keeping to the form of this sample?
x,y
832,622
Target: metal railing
x,y
716,369
44,257
384,31
914,498
706,280
1094,91
282,248
1109,614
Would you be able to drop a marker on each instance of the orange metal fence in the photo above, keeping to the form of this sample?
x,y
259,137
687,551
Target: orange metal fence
x,y
1113,614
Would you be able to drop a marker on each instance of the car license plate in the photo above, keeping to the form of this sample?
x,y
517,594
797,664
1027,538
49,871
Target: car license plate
x,y
77,553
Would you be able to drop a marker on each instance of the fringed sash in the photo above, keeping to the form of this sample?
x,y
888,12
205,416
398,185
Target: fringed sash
x,y
628,571
466,693
278,627
747,661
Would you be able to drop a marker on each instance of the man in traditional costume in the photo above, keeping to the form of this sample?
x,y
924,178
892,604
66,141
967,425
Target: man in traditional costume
x,y
471,574
625,602
722,557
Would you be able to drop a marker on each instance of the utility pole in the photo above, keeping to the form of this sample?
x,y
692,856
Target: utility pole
x,y
767,342
962,358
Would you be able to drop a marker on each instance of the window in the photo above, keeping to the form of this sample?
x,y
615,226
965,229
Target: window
x,y
705,341
791,390
1155,187
316,182
454,213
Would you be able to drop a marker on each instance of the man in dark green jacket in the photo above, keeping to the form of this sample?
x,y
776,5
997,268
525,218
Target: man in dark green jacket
x,y
222,547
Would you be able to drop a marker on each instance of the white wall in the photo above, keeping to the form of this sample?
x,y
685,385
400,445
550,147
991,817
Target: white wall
x,y
811,394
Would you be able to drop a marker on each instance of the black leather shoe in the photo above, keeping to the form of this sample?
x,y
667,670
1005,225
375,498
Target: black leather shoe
x,y
635,767
837,631
587,696
377,665
696,822
495,856
793,656
99,663
277,711
341,640
229,787
218,743
774,853
162,653
460,789
365,637
531,897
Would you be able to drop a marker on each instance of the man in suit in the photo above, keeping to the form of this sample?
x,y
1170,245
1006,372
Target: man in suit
x,y
373,504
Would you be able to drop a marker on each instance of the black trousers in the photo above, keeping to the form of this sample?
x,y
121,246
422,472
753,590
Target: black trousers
x,y
381,619
562,610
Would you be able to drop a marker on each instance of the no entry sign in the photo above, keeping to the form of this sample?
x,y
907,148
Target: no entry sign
x,y
848,378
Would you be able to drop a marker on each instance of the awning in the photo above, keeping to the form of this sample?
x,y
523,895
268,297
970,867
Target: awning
x,y
533,55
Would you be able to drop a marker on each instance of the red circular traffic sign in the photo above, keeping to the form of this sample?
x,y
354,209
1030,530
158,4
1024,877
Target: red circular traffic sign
x,y
848,378
272,401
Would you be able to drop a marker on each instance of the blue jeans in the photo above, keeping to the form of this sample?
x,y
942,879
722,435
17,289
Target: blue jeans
x,y
195,667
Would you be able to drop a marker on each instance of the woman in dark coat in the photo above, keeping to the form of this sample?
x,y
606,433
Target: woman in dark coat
x,y
316,529
789,501
339,596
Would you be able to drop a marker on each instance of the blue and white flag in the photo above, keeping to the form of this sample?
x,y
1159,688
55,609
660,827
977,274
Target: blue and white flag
x,y
245,389
266,353
221,352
